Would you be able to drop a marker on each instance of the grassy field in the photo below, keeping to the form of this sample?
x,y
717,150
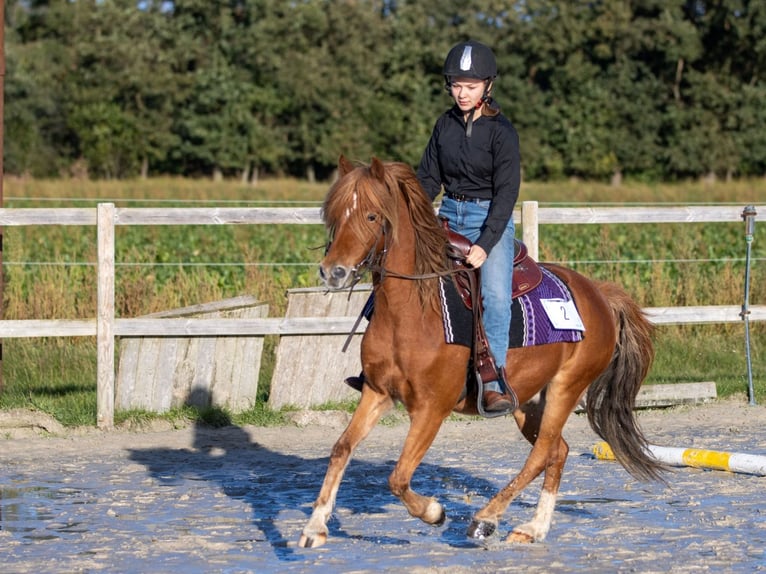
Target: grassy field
x,y
49,273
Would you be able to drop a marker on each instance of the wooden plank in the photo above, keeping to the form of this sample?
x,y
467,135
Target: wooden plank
x,y
162,380
668,395
217,215
530,229
27,328
703,314
675,394
144,385
649,214
128,371
215,307
157,327
243,389
48,216
201,392
310,369
142,327
311,215
154,326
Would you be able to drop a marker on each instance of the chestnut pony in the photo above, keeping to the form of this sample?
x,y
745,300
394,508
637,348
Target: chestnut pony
x,y
379,219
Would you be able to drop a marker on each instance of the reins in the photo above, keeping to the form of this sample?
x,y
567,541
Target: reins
x,y
374,261
378,268
368,263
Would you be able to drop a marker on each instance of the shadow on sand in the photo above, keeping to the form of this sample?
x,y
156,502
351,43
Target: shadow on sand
x,y
272,483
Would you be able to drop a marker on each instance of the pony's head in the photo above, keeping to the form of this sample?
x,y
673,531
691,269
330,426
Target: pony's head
x,y
366,213
356,212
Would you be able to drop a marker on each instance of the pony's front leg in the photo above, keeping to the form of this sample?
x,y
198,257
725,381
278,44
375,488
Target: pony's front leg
x,y
371,407
423,429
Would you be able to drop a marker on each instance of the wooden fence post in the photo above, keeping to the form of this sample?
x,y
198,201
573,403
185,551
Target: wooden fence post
x,y
530,228
105,317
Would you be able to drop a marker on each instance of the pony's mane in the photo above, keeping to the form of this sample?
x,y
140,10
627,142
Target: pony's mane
x,y
401,184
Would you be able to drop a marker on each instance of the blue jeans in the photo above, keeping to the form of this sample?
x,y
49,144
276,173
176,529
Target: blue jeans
x,y
467,218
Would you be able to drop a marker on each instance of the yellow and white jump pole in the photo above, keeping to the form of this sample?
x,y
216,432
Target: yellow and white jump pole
x,y
697,458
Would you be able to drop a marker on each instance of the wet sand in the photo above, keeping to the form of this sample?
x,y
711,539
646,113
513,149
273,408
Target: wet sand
x,y
235,500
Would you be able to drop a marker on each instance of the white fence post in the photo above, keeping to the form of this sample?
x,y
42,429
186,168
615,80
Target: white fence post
x,y
529,228
105,317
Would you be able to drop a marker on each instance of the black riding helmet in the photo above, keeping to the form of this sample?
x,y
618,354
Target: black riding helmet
x,y
474,60
470,59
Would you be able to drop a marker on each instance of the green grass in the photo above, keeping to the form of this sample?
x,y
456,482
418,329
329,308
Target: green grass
x,y
701,353
164,267
56,376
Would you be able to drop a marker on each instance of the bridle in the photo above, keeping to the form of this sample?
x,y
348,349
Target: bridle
x,y
373,262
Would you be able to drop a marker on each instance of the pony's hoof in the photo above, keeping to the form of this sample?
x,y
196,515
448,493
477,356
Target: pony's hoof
x,y
434,514
316,541
516,537
480,529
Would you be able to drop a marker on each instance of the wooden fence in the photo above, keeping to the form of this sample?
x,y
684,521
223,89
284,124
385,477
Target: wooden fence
x,y
105,326
159,373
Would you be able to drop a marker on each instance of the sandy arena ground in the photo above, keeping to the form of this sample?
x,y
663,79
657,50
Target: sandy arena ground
x,y
235,500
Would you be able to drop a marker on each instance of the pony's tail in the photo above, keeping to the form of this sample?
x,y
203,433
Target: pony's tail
x,y
611,398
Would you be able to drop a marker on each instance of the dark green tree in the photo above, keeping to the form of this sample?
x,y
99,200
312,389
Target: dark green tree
x,y
659,89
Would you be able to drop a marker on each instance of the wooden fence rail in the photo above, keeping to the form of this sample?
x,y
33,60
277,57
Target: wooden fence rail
x,y
105,326
30,328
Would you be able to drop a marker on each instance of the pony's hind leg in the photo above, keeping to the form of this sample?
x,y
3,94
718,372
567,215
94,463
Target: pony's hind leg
x,y
542,428
537,529
371,407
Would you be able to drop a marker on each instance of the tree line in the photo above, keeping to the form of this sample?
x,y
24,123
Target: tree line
x,y
645,89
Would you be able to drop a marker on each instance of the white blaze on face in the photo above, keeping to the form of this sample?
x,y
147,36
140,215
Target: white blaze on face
x,y
354,204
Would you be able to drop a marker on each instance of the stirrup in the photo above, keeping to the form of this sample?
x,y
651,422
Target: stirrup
x,y
507,395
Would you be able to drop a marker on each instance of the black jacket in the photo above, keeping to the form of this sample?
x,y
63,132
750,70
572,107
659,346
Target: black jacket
x,y
483,166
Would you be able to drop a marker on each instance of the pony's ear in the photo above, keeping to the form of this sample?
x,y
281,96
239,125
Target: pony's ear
x,y
344,166
377,169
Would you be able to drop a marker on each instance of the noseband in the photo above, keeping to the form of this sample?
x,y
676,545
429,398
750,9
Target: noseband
x,y
372,261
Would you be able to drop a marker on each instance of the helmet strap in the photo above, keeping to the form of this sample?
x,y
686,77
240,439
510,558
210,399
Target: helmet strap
x,y
488,85
483,101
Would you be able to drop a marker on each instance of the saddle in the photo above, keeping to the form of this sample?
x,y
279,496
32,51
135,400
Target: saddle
x,y
467,280
526,272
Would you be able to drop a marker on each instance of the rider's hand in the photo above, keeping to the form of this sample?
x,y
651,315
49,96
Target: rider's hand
x,y
476,256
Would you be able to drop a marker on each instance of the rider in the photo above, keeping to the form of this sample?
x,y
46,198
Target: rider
x,y
474,154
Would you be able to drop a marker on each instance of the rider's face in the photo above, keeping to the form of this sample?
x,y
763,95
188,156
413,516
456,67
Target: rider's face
x,y
467,92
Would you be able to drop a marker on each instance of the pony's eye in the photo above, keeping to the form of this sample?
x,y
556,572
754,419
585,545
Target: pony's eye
x,y
372,217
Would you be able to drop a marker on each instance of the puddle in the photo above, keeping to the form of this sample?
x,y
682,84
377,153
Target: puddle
x,y
30,512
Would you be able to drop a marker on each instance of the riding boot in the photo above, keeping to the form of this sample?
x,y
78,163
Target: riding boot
x,y
494,399
356,383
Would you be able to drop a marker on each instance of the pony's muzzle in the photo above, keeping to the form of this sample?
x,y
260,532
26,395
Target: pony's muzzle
x,y
336,277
